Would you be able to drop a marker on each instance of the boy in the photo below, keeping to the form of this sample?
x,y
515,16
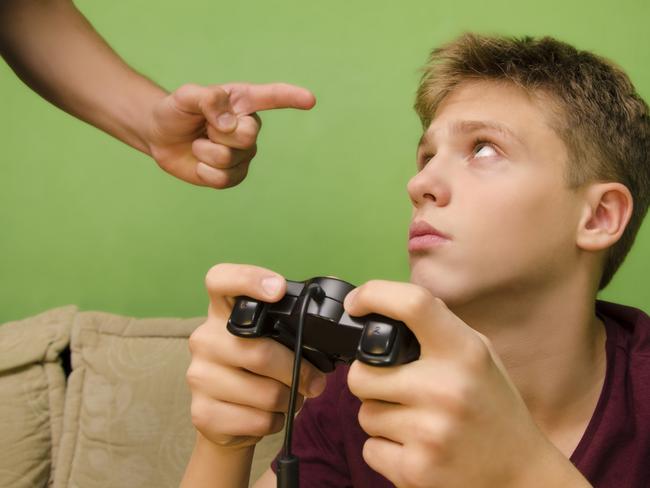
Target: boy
x,y
533,179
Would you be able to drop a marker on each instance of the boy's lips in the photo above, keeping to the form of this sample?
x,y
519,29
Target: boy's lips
x,y
423,236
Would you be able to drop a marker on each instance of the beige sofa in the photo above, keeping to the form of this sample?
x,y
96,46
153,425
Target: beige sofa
x,y
116,415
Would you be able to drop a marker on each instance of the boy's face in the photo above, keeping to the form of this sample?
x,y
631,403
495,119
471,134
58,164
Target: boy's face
x,y
491,177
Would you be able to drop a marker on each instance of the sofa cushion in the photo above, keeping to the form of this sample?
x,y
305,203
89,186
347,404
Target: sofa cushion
x,y
127,415
32,383
127,420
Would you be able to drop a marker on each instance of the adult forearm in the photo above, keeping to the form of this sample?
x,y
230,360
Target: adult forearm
x,y
212,465
55,50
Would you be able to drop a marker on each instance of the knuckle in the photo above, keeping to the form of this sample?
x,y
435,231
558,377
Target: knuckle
x,y
247,134
258,119
197,338
477,357
364,292
215,97
260,356
275,398
237,175
362,416
197,145
212,133
459,402
222,154
307,375
416,302
217,92
214,276
222,183
428,432
184,91
200,414
437,301
263,423
194,375
416,467
365,418
356,379
300,401
244,171
369,452
459,407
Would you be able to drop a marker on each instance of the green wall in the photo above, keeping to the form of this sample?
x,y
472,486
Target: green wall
x,y
87,220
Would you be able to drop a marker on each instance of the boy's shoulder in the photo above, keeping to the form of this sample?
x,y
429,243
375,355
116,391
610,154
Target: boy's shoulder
x,y
629,326
616,442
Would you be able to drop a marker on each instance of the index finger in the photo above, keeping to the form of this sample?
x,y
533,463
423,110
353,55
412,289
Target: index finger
x,y
246,98
226,281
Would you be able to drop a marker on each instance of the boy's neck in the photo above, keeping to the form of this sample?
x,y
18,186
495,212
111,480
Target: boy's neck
x,y
553,347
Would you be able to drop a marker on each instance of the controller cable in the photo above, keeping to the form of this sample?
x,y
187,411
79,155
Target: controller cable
x,y
288,462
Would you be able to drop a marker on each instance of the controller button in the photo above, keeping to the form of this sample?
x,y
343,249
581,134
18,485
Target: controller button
x,y
378,338
246,313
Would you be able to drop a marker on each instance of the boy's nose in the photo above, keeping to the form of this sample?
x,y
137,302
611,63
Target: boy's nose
x,y
429,185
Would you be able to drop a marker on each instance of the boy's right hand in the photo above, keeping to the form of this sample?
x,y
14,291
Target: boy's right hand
x,y
240,387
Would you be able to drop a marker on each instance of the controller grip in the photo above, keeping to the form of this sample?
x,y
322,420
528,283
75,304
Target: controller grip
x,y
247,318
386,342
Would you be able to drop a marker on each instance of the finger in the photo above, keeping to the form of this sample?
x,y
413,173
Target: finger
x,y
209,102
216,419
261,356
221,178
435,326
276,361
401,424
225,281
217,109
385,457
400,385
248,98
219,156
243,137
240,387
187,98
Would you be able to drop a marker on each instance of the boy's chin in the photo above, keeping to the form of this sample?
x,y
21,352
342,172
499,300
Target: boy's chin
x,y
441,285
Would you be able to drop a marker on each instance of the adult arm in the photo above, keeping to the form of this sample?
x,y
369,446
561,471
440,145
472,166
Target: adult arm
x,y
54,49
203,135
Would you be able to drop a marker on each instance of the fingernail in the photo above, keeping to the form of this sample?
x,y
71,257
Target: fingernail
x,y
271,285
316,386
226,121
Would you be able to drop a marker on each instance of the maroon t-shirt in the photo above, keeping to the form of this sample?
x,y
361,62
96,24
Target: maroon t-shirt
x,y
614,451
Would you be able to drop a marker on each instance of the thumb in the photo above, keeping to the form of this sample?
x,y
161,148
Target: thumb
x,y
217,109
212,102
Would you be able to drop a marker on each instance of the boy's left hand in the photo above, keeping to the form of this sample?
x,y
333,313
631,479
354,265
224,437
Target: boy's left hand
x,y
452,418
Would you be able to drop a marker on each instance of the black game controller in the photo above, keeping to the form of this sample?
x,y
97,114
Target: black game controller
x,y
330,335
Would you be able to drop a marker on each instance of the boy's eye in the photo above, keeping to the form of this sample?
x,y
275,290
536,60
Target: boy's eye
x,y
484,150
424,159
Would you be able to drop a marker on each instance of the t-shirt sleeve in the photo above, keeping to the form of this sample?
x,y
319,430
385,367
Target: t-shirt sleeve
x,y
317,437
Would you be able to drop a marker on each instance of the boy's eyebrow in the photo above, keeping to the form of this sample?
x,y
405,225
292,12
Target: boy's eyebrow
x,y
468,126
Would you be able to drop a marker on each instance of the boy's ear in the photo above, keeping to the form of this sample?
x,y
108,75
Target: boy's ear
x,y
607,210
